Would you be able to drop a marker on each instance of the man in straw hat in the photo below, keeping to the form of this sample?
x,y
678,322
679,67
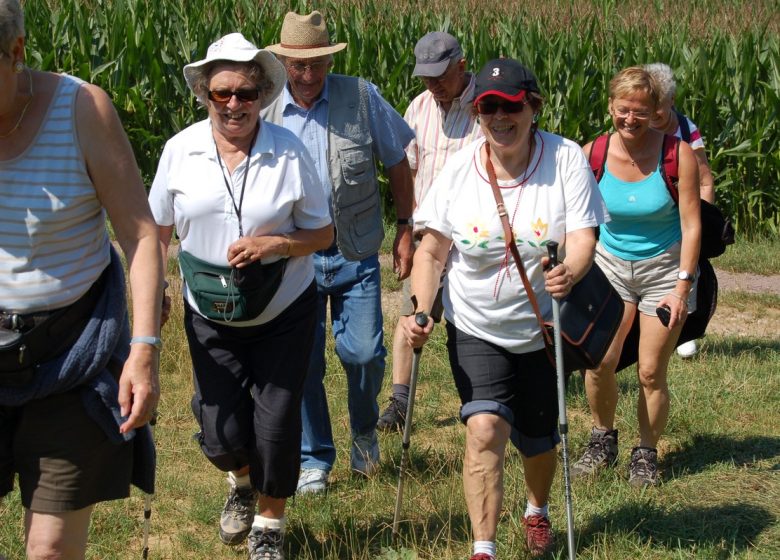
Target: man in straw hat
x,y
443,122
346,125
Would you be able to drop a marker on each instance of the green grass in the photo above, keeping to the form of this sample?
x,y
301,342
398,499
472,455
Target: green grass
x,y
759,256
720,456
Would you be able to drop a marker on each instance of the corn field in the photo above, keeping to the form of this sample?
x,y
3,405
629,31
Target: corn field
x,y
725,55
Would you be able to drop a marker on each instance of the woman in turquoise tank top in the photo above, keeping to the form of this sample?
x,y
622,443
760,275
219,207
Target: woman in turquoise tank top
x,y
649,250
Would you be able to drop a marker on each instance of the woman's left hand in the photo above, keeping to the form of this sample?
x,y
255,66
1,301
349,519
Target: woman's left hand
x,y
246,250
678,308
559,280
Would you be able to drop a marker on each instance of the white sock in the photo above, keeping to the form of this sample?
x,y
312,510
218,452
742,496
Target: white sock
x,y
239,481
485,547
531,509
269,523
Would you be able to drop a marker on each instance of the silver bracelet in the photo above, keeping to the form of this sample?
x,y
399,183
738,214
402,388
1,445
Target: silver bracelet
x,y
155,341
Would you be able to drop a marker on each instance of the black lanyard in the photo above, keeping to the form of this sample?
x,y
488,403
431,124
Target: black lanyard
x,y
238,207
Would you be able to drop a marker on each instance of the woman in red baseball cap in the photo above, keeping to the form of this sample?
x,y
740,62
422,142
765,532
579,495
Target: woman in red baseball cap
x,y
505,379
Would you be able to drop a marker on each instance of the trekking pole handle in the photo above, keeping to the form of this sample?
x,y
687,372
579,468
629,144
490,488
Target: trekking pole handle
x,y
421,319
552,253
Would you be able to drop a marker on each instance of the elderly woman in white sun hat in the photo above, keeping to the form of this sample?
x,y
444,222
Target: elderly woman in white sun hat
x,y
247,204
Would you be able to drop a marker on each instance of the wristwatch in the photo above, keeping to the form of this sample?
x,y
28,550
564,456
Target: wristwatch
x,y
685,276
404,222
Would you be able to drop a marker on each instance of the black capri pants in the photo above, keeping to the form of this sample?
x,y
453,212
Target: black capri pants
x,y
248,390
520,388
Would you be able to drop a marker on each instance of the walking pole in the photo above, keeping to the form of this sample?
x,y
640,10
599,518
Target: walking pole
x,y
421,319
148,501
563,425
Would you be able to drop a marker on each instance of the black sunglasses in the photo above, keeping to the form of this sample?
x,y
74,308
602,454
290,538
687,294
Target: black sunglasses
x,y
490,107
225,95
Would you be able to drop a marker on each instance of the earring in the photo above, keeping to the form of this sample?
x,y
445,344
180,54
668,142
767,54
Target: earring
x,y
18,66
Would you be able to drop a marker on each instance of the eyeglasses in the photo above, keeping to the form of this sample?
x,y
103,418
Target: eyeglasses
x,y
623,113
491,107
433,80
225,95
313,67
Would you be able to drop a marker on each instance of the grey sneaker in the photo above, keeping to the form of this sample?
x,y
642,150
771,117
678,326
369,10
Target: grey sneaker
x,y
237,515
643,468
365,453
601,452
312,481
392,419
265,544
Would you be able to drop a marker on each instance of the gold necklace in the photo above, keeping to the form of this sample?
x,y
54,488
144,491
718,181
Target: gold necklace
x,y
24,109
625,150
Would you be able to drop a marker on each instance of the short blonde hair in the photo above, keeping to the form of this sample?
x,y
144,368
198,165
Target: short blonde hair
x,y
632,80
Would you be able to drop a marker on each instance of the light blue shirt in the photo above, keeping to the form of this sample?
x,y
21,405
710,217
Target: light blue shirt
x,y
389,131
645,220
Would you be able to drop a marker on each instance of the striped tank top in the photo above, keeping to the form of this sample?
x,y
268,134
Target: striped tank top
x,y
53,239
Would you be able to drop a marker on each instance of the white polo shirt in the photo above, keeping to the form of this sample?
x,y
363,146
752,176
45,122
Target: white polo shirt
x,y
282,194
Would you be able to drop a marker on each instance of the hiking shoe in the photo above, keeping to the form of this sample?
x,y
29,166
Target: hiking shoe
x,y
364,455
237,515
538,534
312,481
687,349
265,544
482,556
643,468
392,419
601,452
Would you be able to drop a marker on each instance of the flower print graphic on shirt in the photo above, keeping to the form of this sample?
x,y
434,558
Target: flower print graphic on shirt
x,y
539,229
478,235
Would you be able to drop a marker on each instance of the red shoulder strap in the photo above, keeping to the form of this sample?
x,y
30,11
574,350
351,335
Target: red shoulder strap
x,y
598,156
670,165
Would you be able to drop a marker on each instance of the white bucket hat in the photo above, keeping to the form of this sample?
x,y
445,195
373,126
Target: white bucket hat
x,y
305,36
235,48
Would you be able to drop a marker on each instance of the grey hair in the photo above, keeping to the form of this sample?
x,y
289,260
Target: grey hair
x,y
11,24
254,73
663,75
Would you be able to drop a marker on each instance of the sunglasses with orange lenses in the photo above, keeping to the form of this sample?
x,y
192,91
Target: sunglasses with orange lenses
x,y
225,95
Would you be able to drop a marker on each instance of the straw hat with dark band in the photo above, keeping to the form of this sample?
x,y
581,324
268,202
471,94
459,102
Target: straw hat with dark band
x,y
305,37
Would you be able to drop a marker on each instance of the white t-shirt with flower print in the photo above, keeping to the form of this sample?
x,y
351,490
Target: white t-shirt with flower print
x,y
484,295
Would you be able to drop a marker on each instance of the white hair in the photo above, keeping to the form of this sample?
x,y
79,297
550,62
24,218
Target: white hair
x,y
665,78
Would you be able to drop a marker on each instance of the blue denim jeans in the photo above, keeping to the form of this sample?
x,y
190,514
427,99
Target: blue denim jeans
x,y
353,289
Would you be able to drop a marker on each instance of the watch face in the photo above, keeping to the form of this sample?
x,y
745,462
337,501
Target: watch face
x,y
682,275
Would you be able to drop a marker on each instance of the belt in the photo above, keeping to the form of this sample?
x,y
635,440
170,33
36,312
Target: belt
x,y
46,335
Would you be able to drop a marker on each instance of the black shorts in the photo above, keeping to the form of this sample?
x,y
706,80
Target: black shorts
x,y
521,388
64,459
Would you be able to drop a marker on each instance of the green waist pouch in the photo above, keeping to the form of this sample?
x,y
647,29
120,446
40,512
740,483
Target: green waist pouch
x,y
228,294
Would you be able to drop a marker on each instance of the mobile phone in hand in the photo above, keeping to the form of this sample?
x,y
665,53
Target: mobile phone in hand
x,y
664,314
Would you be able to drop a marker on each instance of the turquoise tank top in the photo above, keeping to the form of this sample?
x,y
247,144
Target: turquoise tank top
x,y
645,220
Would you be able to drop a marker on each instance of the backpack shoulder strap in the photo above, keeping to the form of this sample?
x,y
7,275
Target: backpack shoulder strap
x,y
598,155
670,159
685,130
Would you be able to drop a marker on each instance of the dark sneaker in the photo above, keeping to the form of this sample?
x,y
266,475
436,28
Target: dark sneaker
x,y
643,468
538,534
237,515
265,544
392,419
482,556
364,455
601,452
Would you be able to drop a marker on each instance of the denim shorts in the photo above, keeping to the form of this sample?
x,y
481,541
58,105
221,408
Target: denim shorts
x,y
645,282
520,388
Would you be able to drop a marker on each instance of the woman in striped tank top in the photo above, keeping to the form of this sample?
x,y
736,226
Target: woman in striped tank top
x,y
76,392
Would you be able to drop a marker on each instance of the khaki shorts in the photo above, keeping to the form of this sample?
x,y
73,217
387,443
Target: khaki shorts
x,y
646,281
64,459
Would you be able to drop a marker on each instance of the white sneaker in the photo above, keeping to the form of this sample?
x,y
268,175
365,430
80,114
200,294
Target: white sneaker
x,y
364,455
687,349
312,481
